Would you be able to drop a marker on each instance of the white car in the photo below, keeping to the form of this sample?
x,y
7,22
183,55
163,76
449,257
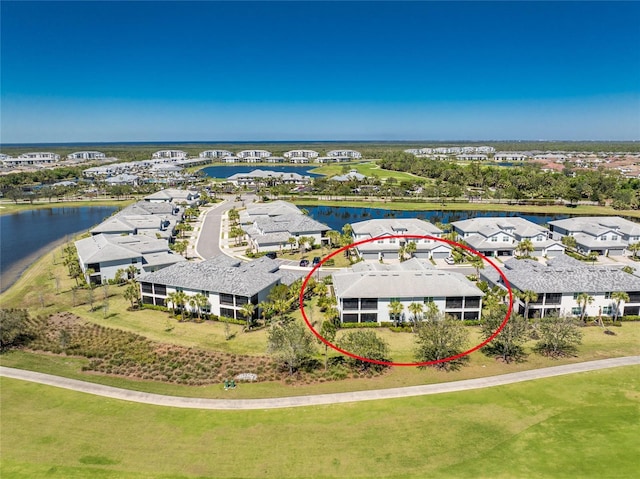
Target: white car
x,y
449,260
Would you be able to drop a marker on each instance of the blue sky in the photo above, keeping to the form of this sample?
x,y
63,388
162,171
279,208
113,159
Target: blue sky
x,y
164,71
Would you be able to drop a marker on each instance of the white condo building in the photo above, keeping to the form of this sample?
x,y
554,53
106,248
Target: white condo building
x,y
344,154
253,153
301,154
170,154
86,155
215,154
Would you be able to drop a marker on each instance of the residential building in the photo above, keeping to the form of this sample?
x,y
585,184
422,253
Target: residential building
x,y
106,254
273,233
87,155
173,195
215,154
170,154
559,283
253,153
268,178
33,158
500,236
365,292
123,179
344,154
351,176
472,157
387,247
267,210
227,283
157,220
301,154
604,235
509,156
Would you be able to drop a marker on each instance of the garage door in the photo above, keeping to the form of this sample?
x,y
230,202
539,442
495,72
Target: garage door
x,y
440,254
554,253
369,255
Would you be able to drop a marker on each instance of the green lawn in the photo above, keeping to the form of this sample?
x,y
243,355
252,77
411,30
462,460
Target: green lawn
x,y
368,168
583,425
7,207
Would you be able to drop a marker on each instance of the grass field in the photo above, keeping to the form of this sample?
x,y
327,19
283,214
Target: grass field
x,y
367,168
583,425
10,207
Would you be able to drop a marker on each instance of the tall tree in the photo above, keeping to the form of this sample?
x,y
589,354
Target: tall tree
x,y
508,345
527,296
395,311
525,248
478,263
247,310
559,336
619,297
584,299
416,312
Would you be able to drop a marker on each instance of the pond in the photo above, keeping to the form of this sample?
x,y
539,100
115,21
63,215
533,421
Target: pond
x,y
227,171
337,216
26,235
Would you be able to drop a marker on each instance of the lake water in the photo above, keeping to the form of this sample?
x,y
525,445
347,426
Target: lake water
x,y
26,235
337,216
227,171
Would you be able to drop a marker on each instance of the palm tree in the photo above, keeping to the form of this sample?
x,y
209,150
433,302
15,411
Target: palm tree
x,y
177,299
416,311
478,263
411,248
334,238
247,310
292,241
265,308
431,312
395,310
634,248
525,248
171,298
619,297
583,300
527,296
569,242
281,306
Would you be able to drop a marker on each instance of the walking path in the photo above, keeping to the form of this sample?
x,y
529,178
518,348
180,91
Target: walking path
x,y
317,400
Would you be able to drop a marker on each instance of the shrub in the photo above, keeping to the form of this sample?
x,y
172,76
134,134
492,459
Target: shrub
x,y
359,325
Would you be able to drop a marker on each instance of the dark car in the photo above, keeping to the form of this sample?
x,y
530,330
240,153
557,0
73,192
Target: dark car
x,y
271,254
304,263
316,260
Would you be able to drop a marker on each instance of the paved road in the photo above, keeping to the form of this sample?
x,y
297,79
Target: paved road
x,y
208,243
321,399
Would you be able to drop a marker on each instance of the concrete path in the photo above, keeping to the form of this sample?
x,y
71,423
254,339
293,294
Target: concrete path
x,y
208,236
317,400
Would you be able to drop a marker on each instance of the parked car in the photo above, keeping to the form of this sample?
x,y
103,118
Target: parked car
x,y
304,263
316,260
271,254
449,260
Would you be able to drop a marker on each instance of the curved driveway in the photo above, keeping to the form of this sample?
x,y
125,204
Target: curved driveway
x,y
317,400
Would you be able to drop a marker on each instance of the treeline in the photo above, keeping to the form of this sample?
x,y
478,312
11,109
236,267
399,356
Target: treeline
x,y
519,182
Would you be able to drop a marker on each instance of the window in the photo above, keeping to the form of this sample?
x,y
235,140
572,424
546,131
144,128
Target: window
x,y
471,315
603,238
607,295
607,310
634,296
160,302
147,299
369,303
227,313
505,238
392,240
614,237
575,295
240,300
553,298
147,288
472,303
226,299
428,300
576,311
369,318
454,302
380,241
349,318
494,239
160,289
350,303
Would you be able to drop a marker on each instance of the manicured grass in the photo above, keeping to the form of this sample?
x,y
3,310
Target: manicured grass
x,y
368,168
583,425
8,208
452,206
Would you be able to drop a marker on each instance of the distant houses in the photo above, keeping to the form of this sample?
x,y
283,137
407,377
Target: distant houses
x,y
87,155
170,154
268,178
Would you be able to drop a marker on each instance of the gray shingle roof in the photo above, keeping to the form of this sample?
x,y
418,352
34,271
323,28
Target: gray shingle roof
x,y
290,223
400,226
405,280
597,225
219,275
563,275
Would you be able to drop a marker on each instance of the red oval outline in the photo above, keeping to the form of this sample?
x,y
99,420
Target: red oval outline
x,y
391,363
